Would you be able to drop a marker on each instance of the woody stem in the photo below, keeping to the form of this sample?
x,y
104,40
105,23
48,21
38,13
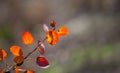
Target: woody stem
x,y
44,39
30,53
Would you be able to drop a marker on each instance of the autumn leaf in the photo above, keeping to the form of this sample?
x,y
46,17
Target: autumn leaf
x,y
27,38
52,37
29,71
62,31
16,50
19,60
17,70
3,54
42,62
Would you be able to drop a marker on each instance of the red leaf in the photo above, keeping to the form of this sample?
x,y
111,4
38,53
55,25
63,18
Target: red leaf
x,y
42,62
41,49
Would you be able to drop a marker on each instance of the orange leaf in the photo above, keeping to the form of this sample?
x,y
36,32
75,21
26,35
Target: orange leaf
x,y
16,51
52,37
3,54
27,38
62,31
29,71
16,70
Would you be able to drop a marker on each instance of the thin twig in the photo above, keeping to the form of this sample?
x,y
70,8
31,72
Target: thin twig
x,y
30,53
44,39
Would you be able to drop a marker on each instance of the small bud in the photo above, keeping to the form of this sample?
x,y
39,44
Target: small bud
x,y
52,23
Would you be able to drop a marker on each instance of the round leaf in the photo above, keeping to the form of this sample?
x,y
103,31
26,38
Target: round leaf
x,y
3,54
19,60
27,38
62,31
42,62
16,50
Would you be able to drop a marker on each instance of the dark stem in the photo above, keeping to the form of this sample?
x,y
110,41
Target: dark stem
x,y
44,39
30,53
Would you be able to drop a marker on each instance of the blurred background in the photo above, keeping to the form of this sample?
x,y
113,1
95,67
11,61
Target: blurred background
x,y
93,43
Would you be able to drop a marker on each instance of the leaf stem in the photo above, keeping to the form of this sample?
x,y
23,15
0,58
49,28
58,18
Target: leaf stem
x,y
28,48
